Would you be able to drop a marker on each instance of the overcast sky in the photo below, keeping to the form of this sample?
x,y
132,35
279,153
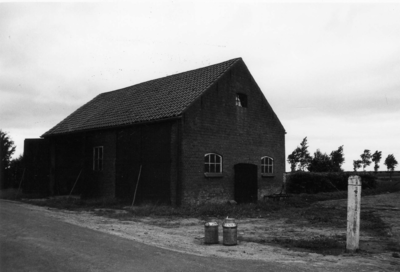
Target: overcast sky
x,y
330,71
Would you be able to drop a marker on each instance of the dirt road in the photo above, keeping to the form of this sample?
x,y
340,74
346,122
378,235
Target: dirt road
x,y
34,239
186,236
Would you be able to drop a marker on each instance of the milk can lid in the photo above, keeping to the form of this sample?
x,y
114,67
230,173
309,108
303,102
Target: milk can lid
x,y
211,224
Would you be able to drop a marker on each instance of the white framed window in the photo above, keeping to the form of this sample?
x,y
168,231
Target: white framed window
x,y
212,163
97,158
267,165
241,100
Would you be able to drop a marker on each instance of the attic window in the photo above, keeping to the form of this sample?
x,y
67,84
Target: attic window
x,y
241,100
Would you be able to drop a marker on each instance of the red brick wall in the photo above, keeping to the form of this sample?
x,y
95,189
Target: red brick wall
x,y
214,124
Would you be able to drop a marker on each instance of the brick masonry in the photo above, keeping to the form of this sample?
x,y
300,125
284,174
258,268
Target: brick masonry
x,y
214,124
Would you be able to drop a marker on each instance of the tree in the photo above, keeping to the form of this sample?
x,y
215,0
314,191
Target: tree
x,y
7,149
14,173
321,162
376,158
366,158
337,159
356,165
293,159
304,155
300,156
390,163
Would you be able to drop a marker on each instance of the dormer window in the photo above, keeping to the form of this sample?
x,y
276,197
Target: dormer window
x,y
241,100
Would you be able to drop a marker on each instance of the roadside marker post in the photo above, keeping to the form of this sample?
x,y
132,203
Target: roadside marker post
x,y
353,213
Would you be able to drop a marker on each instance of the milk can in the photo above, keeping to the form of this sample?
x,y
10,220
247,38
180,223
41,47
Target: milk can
x,y
229,232
211,232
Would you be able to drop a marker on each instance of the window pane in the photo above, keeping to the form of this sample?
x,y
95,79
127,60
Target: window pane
x,y
212,168
238,101
218,159
206,168
270,169
100,164
206,158
218,168
212,158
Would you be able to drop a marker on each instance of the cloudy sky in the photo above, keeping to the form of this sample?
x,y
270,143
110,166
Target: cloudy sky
x,y
330,71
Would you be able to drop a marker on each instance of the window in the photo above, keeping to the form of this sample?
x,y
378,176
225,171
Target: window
x,y
212,163
241,100
267,166
98,158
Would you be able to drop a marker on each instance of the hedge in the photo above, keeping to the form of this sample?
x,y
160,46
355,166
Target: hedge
x,y
312,183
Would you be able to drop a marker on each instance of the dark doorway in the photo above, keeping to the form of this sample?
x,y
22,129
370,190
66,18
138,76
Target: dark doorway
x,y
245,183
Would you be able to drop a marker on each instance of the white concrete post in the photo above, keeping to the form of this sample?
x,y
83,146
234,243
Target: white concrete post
x,y
353,213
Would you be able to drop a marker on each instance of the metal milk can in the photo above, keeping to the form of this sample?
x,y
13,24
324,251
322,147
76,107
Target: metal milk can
x,y
229,232
211,232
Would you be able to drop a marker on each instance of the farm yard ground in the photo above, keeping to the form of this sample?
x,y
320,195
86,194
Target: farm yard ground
x,y
308,234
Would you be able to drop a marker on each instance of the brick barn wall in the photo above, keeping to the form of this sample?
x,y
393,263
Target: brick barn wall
x,y
214,124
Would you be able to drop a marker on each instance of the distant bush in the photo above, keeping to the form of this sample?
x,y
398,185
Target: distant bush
x,y
369,181
312,183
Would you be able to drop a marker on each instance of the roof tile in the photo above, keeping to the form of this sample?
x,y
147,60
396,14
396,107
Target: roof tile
x,y
148,101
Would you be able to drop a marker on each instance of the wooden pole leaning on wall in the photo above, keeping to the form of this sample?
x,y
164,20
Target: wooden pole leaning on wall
x,y
137,183
353,213
20,183
73,187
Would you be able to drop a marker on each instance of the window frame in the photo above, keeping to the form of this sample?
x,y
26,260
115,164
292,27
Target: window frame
x,y
98,158
267,163
241,100
218,160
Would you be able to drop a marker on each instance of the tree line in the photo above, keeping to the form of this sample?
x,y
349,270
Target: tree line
x,y
301,160
9,168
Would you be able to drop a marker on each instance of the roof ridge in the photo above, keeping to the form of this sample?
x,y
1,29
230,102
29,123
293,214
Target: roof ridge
x,y
215,80
173,75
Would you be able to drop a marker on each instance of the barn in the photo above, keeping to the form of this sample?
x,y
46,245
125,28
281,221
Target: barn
x,y
205,135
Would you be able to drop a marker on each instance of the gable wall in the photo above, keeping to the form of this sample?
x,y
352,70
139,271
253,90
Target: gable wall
x,y
213,124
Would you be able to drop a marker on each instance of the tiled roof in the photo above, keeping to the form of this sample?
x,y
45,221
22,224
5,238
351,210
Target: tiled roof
x,y
148,101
